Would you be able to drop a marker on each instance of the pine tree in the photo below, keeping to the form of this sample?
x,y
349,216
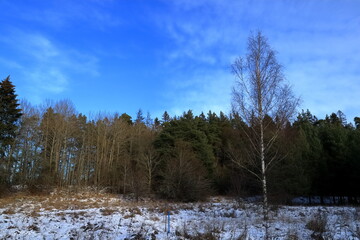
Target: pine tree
x,y
10,113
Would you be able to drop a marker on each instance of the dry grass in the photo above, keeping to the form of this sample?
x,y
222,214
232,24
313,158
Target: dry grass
x,y
317,224
132,212
9,211
107,211
34,227
59,200
34,213
155,219
33,205
292,235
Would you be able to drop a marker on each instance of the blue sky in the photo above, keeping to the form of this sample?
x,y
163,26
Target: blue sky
x,y
119,56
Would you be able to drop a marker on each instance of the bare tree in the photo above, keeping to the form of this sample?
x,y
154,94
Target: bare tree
x,y
148,159
28,145
184,176
260,93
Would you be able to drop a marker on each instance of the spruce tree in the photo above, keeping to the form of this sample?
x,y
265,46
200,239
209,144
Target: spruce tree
x,y
9,112
165,117
9,116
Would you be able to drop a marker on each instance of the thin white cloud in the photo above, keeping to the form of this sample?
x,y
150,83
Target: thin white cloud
x,y
326,91
67,12
49,80
202,92
10,64
36,46
318,43
46,67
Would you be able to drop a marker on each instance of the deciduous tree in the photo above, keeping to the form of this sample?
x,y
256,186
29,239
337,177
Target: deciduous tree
x,y
260,92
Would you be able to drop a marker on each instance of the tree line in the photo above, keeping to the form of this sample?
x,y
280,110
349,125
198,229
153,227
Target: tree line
x,y
257,149
184,158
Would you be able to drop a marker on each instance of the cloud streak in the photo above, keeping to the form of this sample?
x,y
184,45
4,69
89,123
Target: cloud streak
x,y
178,52
201,92
65,13
47,67
317,43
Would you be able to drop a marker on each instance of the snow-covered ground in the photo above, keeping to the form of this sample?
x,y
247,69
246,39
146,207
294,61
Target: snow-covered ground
x,y
103,216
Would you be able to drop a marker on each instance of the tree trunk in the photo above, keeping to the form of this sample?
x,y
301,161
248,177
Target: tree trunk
x,y
263,180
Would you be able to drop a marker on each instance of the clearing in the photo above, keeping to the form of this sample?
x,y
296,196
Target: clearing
x,y
94,215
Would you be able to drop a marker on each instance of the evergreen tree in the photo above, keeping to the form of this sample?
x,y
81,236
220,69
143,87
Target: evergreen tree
x,y
357,122
165,117
309,153
126,118
139,117
193,132
334,138
10,113
353,157
157,123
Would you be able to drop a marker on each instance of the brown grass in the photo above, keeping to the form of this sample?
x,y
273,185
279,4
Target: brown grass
x,y
107,211
34,228
9,211
33,204
27,203
34,213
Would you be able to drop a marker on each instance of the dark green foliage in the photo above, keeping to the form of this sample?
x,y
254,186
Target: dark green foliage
x,y
165,117
329,157
191,130
157,123
9,117
357,122
126,118
9,114
204,135
308,153
353,162
288,178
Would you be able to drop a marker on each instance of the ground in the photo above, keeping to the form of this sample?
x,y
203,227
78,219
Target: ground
x,y
94,215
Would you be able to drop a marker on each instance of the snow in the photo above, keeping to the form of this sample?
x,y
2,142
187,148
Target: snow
x,y
105,216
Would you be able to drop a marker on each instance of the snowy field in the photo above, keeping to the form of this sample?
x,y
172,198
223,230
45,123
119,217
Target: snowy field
x,y
104,216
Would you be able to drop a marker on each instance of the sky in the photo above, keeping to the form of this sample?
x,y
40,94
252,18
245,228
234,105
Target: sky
x,y
161,55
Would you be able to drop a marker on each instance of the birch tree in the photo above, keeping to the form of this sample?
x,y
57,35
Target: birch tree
x,y
261,92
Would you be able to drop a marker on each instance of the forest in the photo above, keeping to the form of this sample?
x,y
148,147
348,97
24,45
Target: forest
x,y
186,158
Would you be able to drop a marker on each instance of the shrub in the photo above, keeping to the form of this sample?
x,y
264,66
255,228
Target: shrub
x,y
317,224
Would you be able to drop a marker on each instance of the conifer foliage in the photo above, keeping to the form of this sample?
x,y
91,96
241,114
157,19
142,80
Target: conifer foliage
x,y
10,113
